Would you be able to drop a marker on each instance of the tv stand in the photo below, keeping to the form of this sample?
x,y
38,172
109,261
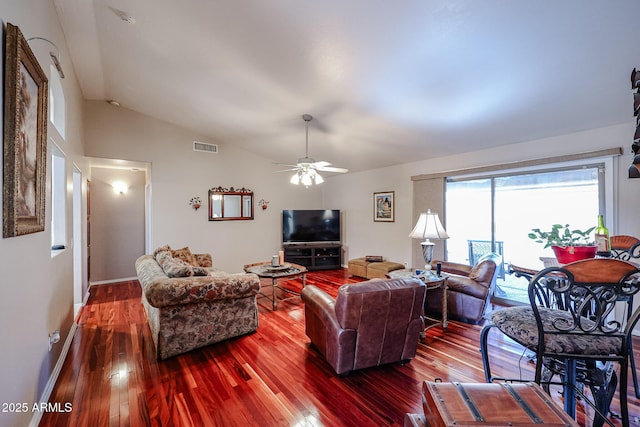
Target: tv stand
x,y
314,255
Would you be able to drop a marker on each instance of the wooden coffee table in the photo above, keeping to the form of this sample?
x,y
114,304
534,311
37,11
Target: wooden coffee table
x,y
285,272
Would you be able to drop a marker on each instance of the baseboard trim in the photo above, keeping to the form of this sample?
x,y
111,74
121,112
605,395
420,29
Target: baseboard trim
x,y
53,378
77,308
108,282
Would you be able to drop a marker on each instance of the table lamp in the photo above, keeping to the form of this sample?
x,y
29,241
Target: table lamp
x,y
428,227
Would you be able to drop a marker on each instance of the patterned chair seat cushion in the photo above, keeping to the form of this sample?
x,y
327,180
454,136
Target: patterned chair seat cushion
x,y
519,324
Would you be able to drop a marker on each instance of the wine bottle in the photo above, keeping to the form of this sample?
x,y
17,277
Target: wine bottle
x,y
602,239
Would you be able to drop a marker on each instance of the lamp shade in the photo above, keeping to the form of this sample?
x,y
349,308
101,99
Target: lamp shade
x,y
429,227
306,177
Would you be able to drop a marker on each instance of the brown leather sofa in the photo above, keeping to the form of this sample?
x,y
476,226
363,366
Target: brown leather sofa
x,y
368,324
469,289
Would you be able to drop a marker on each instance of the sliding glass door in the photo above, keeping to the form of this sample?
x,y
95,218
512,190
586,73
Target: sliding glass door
x,y
469,216
496,213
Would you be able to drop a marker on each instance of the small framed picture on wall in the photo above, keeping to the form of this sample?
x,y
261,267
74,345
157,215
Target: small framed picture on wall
x,y
383,206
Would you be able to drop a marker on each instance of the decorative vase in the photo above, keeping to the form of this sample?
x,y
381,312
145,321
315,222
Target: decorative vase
x,y
568,254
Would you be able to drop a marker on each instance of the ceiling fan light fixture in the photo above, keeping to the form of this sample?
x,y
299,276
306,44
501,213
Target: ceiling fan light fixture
x,y
307,168
306,179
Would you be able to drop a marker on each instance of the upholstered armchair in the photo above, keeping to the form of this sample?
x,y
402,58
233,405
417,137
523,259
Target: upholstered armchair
x,y
368,324
469,288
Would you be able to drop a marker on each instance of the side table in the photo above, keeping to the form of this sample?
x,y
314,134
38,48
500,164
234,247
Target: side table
x,y
432,281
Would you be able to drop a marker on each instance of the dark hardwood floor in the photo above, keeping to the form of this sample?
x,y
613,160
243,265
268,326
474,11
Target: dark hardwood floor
x,y
268,378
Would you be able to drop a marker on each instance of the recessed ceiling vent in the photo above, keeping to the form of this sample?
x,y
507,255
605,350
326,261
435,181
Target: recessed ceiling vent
x,y
205,148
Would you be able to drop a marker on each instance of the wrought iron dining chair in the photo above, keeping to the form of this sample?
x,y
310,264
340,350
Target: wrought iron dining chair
x,y
575,326
627,248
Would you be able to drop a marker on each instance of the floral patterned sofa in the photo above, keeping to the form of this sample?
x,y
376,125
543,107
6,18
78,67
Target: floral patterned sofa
x,y
189,304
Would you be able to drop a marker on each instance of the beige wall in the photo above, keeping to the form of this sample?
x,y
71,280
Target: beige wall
x,y
173,185
36,288
178,174
353,192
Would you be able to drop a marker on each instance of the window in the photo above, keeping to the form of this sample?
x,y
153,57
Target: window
x,y
496,213
58,198
56,102
57,117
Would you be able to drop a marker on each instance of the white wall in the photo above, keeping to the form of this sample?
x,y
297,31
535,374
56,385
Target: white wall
x,y
178,174
353,193
36,288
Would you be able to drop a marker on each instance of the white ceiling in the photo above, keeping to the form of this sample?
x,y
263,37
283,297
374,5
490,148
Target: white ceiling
x,y
387,82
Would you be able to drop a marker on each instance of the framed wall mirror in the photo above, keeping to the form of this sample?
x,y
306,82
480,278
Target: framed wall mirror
x,y
228,204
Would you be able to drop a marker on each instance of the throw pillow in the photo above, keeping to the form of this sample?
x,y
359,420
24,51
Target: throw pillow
x,y
202,260
200,271
173,267
161,249
159,255
183,254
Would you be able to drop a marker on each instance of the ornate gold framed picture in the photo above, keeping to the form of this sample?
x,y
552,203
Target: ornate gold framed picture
x,y
25,138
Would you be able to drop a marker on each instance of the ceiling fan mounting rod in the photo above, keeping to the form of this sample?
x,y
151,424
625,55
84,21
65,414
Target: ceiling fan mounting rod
x,y
307,118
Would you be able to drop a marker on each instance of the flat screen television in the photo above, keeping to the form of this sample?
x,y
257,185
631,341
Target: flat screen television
x,y
305,226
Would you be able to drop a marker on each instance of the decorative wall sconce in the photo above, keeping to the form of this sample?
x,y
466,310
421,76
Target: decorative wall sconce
x,y
120,187
195,203
263,203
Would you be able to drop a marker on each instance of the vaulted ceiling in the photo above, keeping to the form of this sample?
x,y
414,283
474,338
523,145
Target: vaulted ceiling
x,y
387,82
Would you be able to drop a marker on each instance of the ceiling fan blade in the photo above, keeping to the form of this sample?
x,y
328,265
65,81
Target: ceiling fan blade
x,y
287,170
320,164
286,164
332,169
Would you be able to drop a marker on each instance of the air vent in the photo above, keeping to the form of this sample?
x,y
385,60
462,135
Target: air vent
x,y
205,148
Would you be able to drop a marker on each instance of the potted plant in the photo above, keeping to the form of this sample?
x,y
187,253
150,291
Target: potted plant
x,y
567,244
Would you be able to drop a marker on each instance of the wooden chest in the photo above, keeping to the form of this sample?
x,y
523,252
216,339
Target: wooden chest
x,y
494,404
414,420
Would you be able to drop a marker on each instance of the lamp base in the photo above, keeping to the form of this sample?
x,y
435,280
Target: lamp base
x,y
427,252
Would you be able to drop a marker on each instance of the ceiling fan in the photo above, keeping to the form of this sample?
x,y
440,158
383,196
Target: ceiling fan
x,y
307,168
